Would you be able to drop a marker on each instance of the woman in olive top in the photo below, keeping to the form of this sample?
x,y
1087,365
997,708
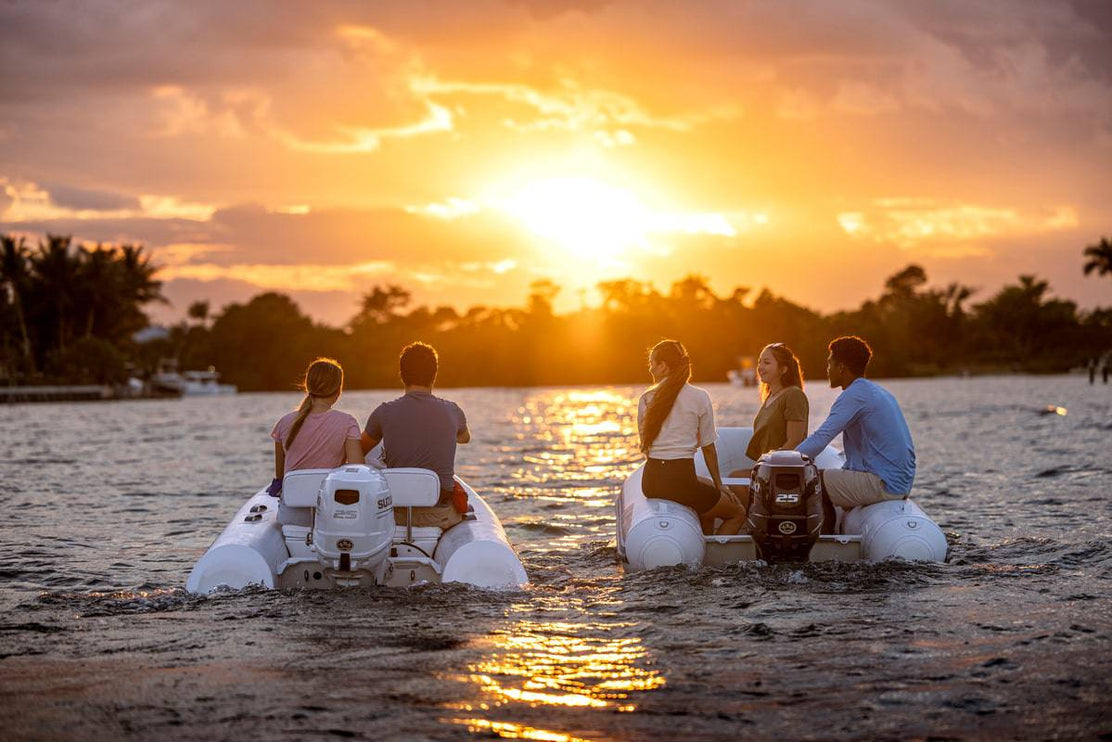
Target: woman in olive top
x,y
781,421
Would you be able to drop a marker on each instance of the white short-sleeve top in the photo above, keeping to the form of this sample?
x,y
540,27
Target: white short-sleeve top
x,y
688,427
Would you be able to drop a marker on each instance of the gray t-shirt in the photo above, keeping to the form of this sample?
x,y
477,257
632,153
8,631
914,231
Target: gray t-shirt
x,y
418,429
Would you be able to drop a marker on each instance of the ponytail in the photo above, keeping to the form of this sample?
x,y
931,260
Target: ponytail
x,y
672,354
323,378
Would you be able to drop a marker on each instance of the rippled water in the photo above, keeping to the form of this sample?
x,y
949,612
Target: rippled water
x,y
106,506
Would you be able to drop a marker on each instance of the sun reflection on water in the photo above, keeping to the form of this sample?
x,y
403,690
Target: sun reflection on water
x,y
590,438
509,730
565,665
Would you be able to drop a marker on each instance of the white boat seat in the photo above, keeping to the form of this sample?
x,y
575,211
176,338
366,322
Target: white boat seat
x,y
411,487
300,487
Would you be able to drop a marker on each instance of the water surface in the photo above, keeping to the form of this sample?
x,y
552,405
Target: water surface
x,y
106,506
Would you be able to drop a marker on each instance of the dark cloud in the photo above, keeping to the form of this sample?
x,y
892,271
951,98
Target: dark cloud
x,y
150,232
343,236
88,49
327,237
333,307
80,199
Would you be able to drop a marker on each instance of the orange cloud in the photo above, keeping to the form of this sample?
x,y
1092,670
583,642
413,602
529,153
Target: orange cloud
x,y
949,230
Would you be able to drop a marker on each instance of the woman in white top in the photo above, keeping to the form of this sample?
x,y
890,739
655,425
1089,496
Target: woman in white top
x,y
674,419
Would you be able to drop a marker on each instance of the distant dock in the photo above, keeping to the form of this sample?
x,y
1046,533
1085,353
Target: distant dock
x,y
73,393
80,393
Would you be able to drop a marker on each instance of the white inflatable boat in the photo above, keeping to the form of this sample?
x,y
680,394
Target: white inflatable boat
x,y
658,533
350,537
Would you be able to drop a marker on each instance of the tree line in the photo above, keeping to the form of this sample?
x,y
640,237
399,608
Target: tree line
x,y
69,313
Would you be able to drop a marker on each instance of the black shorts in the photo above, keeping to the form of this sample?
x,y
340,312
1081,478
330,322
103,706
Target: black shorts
x,y
674,479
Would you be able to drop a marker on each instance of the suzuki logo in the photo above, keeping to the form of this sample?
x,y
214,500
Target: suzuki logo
x,y
786,527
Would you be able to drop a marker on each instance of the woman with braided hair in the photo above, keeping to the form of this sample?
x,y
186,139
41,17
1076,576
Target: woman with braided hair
x,y
675,419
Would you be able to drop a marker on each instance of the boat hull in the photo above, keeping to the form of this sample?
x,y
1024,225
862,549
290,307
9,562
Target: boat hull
x,y
253,550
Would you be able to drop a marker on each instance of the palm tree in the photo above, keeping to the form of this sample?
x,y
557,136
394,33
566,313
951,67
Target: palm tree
x,y
97,289
56,269
1099,257
15,274
199,310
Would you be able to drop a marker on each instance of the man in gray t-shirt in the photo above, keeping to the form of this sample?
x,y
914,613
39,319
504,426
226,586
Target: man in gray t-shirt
x,y
419,429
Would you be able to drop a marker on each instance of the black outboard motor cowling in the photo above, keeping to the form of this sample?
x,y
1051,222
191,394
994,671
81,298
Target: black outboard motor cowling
x,y
785,506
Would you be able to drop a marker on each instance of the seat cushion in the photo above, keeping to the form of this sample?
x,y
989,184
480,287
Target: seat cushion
x,y
300,487
412,487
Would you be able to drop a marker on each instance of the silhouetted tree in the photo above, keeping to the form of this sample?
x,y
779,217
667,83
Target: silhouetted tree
x,y
1022,325
16,278
199,312
1098,258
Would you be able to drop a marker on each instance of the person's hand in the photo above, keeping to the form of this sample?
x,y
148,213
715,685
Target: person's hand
x,y
275,488
732,497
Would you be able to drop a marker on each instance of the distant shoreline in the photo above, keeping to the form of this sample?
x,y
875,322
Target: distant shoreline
x,y
109,393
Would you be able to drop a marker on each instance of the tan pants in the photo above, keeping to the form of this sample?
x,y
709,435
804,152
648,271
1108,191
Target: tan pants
x,y
851,489
441,516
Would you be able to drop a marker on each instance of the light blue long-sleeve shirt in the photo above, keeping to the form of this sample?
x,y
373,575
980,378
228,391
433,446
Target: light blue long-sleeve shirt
x,y
874,433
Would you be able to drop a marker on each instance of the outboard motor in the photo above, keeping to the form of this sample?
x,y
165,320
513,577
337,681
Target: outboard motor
x,y
785,506
354,522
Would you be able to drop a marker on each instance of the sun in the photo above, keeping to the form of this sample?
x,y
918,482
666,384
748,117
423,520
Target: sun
x,y
585,217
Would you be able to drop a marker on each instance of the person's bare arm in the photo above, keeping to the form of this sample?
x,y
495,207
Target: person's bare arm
x,y
353,452
279,460
366,443
797,431
710,455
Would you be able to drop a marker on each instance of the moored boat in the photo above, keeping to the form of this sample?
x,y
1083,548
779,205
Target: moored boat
x,y
349,537
188,383
657,533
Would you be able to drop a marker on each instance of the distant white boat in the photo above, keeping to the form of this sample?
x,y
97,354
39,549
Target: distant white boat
x,y
744,377
745,374
191,383
206,382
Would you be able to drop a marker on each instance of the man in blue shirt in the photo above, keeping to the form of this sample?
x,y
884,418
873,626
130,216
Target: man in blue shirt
x,y
880,457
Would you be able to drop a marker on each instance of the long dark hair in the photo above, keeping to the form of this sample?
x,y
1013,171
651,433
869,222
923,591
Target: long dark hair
x,y
674,355
323,378
793,375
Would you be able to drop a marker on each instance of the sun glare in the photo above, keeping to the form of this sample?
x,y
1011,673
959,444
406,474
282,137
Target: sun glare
x,y
585,217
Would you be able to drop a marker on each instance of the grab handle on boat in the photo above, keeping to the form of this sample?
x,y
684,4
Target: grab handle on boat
x,y
735,481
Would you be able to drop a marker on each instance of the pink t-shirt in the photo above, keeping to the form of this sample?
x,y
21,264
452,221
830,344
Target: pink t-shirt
x,y
320,442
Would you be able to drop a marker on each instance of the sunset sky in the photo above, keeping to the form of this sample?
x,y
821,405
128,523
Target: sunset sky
x,y
466,149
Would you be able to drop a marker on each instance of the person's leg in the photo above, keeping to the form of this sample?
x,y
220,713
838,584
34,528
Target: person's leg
x,y
675,480
829,516
741,491
438,516
654,479
851,489
725,508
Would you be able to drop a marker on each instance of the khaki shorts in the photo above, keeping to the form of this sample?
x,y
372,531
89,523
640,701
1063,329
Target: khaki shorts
x,y
850,489
440,516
